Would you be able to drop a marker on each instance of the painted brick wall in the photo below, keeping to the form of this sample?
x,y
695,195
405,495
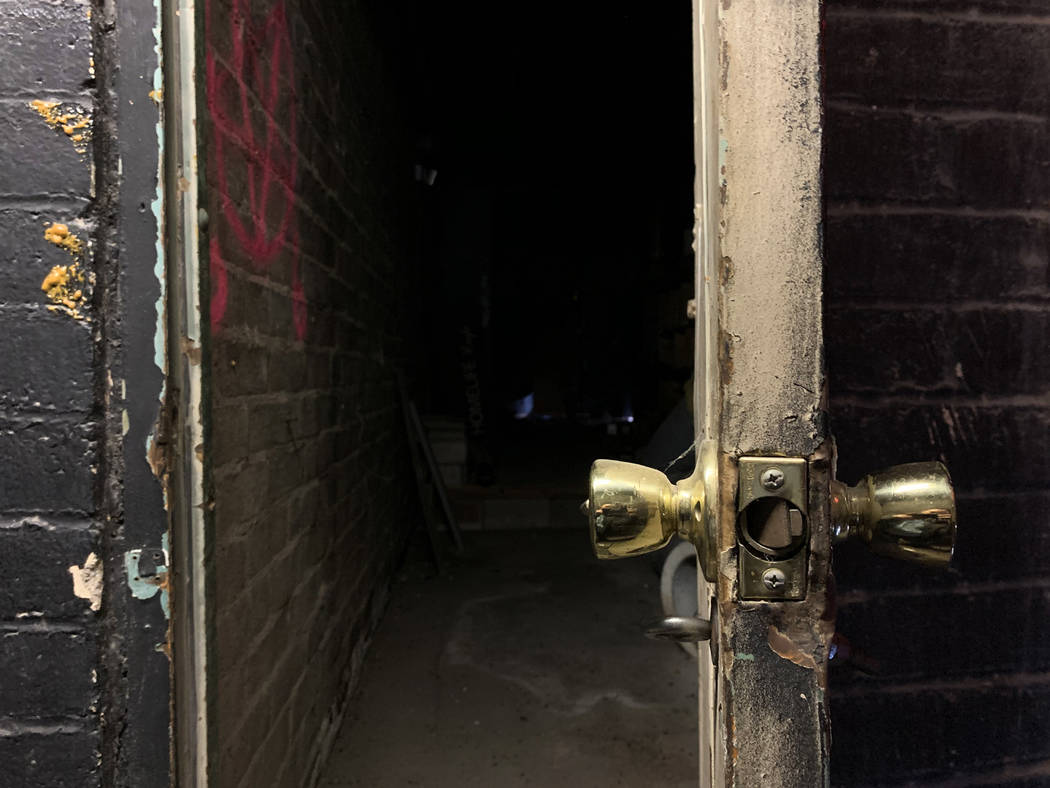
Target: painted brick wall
x,y
309,204
48,428
83,673
938,273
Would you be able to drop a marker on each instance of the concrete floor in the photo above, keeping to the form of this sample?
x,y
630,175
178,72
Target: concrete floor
x,y
524,665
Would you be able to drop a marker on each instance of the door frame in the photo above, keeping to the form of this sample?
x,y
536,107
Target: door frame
x,y
190,519
759,388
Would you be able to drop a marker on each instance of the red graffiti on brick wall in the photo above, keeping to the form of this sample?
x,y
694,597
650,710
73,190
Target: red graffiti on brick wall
x,y
252,103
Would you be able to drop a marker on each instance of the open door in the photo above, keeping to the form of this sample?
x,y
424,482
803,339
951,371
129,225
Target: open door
x,y
762,506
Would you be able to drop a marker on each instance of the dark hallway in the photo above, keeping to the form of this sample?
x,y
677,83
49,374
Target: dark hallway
x,y
495,209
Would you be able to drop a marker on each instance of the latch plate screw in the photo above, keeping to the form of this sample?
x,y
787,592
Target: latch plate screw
x,y
774,579
772,478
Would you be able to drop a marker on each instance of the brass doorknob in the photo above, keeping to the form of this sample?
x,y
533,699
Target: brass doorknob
x,y
905,512
633,509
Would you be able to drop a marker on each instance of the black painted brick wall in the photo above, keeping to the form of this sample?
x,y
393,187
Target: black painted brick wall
x,y
938,311
49,446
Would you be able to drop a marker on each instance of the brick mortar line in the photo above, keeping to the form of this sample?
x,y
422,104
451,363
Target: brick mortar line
x,y
36,309
261,457
44,626
14,412
351,252
384,257
938,17
275,398
1034,584
941,112
1022,402
995,777
12,728
56,523
42,513
251,337
269,508
850,208
1005,305
948,387
1016,680
21,3
347,394
246,274
20,422
44,203
15,198
85,100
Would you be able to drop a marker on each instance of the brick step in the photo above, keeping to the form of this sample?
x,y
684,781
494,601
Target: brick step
x,y
488,509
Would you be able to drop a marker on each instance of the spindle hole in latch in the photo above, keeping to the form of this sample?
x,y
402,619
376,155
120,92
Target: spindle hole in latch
x,y
772,528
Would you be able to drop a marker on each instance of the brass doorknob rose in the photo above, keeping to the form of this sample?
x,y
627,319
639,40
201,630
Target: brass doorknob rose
x,y
905,512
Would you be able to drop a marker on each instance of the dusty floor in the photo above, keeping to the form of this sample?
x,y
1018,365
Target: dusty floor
x,y
524,665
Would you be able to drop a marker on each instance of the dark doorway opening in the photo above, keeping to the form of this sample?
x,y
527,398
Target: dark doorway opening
x,y
555,171
554,189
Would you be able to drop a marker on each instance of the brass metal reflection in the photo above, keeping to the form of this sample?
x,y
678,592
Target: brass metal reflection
x,y
905,512
634,510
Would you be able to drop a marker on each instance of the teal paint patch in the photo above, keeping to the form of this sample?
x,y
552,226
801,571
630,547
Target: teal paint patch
x,y
157,205
744,657
147,574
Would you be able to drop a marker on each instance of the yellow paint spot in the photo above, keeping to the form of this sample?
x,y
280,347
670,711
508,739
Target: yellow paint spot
x,y
59,277
72,119
61,281
157,95
45,108
59,235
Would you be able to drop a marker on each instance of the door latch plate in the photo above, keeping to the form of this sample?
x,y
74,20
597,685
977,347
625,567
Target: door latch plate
x,y
772,528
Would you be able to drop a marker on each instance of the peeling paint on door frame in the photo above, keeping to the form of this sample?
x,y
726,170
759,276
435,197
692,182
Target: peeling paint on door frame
x,y
179,25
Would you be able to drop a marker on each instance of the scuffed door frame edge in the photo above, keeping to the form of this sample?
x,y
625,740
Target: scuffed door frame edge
x,y
188,489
